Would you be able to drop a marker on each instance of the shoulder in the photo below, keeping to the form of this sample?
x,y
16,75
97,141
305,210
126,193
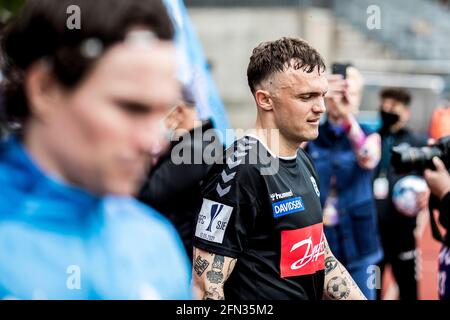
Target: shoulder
x,y
244,157
240,170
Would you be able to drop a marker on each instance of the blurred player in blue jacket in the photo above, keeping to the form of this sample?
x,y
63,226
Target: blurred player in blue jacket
x,y
89,94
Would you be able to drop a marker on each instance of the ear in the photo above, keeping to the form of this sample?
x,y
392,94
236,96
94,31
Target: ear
x,y
263,100
42,90
172,119
180,113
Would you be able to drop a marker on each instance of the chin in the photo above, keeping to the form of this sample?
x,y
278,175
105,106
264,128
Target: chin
x,y
314,137
308,137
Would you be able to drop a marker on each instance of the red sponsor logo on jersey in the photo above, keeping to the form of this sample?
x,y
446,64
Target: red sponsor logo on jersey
x,y
302,251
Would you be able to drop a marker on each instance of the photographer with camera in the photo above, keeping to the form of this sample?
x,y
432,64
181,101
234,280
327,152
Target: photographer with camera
x,y
398,223
439,183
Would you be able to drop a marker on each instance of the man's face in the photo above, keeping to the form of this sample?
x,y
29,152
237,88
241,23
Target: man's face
x,y
103,133
298,103
394,106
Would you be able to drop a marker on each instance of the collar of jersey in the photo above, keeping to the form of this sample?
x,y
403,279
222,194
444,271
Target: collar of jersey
x,y
28,179
270,151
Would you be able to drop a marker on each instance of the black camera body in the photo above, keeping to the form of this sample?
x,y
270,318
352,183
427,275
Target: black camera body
x,y
407,159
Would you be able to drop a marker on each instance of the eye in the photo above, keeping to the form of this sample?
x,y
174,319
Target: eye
x,y
132,107
306,97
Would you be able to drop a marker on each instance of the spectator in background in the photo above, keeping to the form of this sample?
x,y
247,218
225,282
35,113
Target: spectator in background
x,y
90,102
173,186
396,228
345,155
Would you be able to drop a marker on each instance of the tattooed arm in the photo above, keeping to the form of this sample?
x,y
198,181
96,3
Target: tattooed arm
x,y
339,284
210,271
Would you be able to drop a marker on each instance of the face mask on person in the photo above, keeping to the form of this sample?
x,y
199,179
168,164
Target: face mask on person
x,y
389,119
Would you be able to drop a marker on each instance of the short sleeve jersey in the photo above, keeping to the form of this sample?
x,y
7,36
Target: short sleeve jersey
x,y
266,212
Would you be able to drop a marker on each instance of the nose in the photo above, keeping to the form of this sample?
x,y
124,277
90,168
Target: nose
x,y
149,137
319,106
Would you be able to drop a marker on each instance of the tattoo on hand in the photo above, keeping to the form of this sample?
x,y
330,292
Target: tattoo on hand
x,y
337,288
330,264
200,265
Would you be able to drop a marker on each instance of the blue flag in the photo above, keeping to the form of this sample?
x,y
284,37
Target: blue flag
x,y
193,67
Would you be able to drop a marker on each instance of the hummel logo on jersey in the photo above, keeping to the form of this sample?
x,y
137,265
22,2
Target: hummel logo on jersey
x,y
212,221
279,196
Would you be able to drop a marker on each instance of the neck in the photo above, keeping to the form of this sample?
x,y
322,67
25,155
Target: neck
x,y
279,145
34,143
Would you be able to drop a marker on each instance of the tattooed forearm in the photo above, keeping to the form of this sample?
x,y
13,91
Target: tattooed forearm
x,y
200,265
210,273
339,284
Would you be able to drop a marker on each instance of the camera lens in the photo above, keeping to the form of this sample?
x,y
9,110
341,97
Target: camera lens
x,y
407,159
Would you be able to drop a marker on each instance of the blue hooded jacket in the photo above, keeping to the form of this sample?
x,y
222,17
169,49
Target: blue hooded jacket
x,y
60,242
